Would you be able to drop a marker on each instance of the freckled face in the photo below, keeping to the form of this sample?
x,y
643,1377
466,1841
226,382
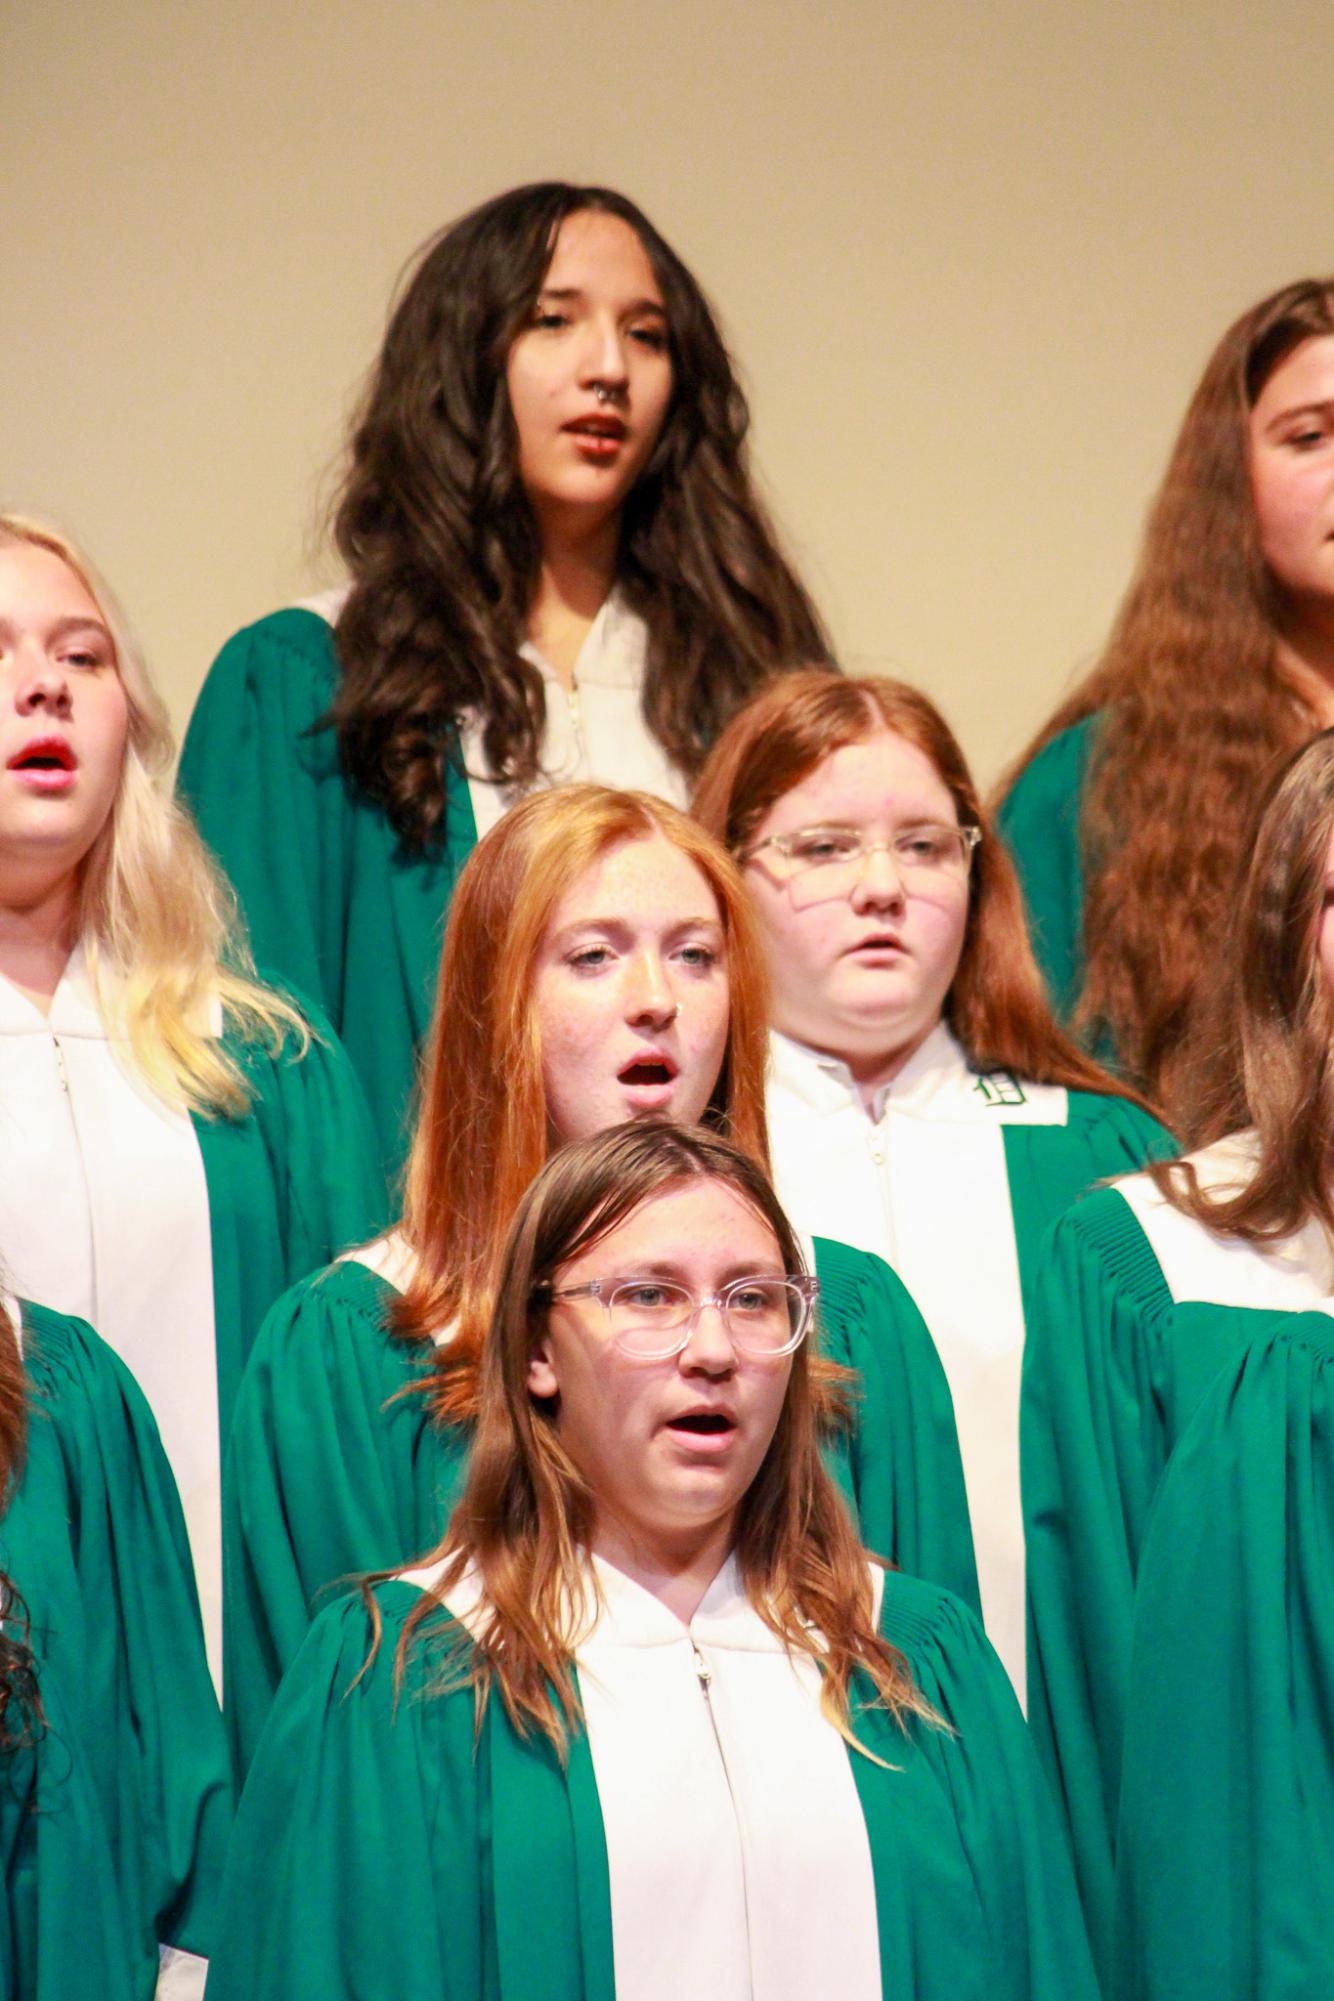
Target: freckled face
x,y
631,992
1291,437
590,381
864,976
63,721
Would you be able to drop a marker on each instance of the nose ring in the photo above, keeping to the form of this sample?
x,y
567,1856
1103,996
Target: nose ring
x,y
602,392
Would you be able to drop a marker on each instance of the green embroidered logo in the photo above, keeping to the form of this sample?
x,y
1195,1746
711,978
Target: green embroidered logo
x,y
999,1087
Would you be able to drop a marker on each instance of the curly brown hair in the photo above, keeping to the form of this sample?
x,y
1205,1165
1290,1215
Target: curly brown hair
x,y
1194,710
443,548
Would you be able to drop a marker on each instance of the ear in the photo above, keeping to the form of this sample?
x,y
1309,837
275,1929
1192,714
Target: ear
x,y
542,1378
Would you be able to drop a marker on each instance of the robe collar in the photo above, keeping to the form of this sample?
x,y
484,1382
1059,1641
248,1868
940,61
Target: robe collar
x,y
937,1082
74,1010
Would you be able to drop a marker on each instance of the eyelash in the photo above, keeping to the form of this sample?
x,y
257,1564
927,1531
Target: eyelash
x,y
592,958
652,338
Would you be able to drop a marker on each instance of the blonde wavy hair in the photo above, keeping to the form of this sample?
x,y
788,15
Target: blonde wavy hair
x,y
156,918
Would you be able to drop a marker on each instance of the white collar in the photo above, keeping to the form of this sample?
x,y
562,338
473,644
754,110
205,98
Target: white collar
x,y
74,1010
936,1083
613,654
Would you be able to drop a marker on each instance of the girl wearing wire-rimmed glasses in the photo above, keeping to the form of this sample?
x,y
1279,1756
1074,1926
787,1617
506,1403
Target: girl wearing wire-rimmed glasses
x,y
647,1723
922,1101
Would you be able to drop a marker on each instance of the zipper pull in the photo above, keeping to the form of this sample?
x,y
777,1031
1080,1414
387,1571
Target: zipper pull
x,y
703,1670
60,1065
576,718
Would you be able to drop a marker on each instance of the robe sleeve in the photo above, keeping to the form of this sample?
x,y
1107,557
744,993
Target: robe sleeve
x,y
1092,1451
335,1468
62,1926
293,1183
357,1870
1226,1845
898,1459
1040,821
1009,1833
137,1666
269,798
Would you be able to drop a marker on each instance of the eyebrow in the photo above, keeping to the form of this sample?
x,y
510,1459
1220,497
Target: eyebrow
x,y
610,926
70,623
567,293
1318,408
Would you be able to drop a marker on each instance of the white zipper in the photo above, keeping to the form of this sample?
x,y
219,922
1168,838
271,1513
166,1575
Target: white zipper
x,y
576,718
60,1065
705,1674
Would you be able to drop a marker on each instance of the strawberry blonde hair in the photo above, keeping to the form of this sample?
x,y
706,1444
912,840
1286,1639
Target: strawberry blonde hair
x,y
997,1005
483,1133
1194,711
157,919
525,1520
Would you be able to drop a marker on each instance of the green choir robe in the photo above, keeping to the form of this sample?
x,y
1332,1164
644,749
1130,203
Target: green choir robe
x,y
62,1930
332,902
1040,821
1225,1852
385,1847
334,1470
1138,1309
95,1542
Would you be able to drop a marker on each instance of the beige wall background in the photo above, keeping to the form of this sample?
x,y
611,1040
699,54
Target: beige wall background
x,y
970,258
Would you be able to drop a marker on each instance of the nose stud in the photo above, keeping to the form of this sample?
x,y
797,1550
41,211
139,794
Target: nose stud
x,y
602,392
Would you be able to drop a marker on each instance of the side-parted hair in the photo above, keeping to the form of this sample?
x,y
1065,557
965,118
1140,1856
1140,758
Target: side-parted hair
x,y
1194,712
443,549
156,917
1262,1056
483,1130
997,1005
20,1699
525,1522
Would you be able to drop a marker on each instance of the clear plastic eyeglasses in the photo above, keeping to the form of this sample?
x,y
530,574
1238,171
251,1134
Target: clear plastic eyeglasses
x,y
819,864
652,1318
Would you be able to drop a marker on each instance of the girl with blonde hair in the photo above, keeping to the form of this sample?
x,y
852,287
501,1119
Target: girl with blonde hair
x,y
1151,1294
922,1101
600,963
1126,814
179,1140
648,1722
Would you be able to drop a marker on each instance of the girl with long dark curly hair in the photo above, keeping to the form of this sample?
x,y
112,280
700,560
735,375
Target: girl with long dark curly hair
x,y
559,569
1127,814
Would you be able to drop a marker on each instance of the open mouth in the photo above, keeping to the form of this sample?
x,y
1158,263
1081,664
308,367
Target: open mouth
x,y
647,1071
45,755
705,1423
597,427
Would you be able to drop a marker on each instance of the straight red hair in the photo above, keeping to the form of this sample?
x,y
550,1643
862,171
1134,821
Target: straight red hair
x,y
483,1133
997,1005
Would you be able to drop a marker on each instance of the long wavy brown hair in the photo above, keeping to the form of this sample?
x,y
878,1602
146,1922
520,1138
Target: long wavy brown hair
x,y
525,1521
483,1133
443,548
1261,1055
1194,711
997,1005
20,1702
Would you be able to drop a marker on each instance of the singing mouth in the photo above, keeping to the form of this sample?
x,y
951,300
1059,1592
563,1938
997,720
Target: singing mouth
x,y
647,1070
706,1422
47,754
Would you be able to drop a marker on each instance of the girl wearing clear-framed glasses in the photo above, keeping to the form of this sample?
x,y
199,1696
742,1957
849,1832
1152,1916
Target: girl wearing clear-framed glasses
x,y
600,963
920,1094
647,1722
